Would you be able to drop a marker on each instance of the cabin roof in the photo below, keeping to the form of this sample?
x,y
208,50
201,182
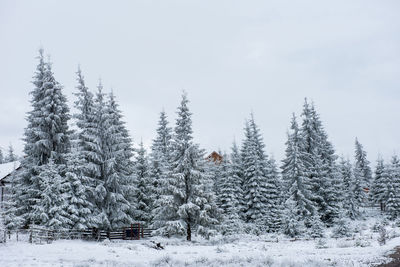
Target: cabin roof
x,y
8,168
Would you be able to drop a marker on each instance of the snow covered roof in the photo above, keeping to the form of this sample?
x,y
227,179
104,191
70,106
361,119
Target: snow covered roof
x,y
7,168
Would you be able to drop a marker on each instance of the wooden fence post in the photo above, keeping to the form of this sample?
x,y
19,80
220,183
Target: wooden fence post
x,y
131,231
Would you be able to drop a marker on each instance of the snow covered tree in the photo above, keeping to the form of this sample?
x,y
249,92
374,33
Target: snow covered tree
x,y
85,121
236,172
105,152
114,148
393,188
75,188
228,197
159,156
349,184
1,156
144,189
119,146
187,202
358,188
317,227
11,157
341,228
362,165
320,165
378,188
293,225
254,165
296,184
10,210
50,210
214,169
273,194
46,136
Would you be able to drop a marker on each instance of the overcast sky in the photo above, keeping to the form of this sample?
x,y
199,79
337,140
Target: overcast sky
x,y
232,57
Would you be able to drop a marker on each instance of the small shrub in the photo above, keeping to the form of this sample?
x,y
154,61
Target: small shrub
x,y
344,244
382,236
376,227
220,250
362,243
321,243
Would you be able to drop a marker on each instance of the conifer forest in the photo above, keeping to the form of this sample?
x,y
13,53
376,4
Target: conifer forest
x,y
79,188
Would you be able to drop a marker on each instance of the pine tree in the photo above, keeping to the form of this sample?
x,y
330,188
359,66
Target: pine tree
x,y
293,225
11,157
341,228
358,188
159,157
378,188
187,201
76,191
107,151
46,136
393,188
296,184
228,197
10,212
1,157
317,227
50,210
255,172
349,183
320,165
88,145
116,170
236,172
214,168
273,194
144,189
362,165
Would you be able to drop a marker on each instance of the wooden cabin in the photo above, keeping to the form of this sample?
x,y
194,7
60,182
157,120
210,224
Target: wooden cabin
x,y
215,157
7,172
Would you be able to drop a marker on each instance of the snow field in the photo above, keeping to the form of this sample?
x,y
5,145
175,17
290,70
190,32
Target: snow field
x,y
241,250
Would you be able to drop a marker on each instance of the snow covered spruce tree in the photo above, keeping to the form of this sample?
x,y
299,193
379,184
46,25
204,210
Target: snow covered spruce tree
x,y
362,164
393,189
113,161
228,197
1,156
10,215
143,187
46,136
261,186
159,159
78,182
105,152
51,209
236,171
379,185
75,188
362,171
293,224
187,202
349,184
320,165
11,157
296,184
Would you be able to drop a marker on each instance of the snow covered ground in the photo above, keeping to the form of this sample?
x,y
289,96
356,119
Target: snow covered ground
x,y
241,250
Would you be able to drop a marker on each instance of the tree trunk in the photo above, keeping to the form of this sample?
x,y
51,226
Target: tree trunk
x,y
189,233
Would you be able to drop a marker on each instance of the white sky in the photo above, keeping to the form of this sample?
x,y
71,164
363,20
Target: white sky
x,y
232,57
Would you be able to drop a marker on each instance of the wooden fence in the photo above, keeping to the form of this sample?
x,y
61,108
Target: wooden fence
x,y
43,235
